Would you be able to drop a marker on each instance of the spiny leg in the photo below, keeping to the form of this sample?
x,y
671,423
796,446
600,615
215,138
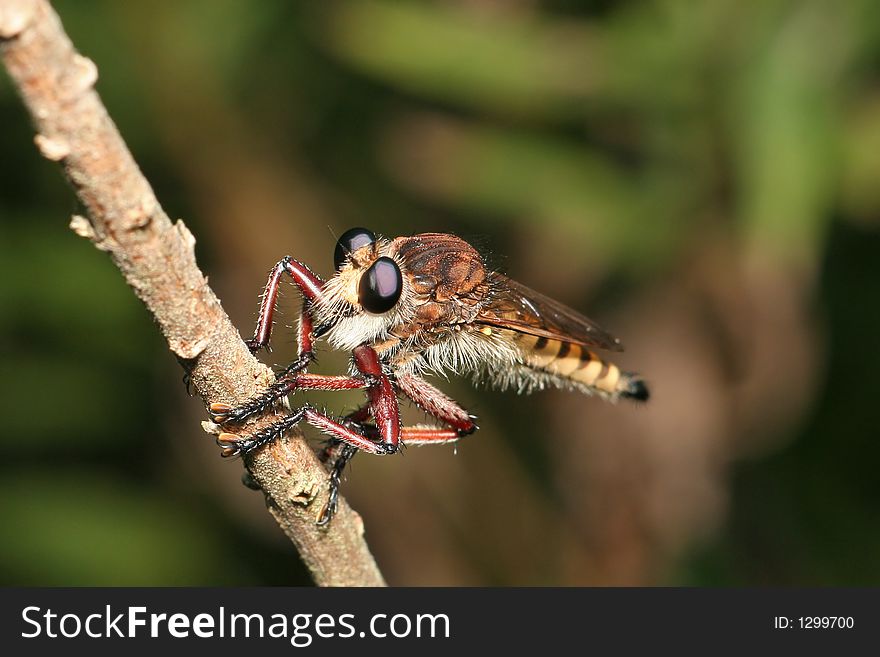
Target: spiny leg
x,y
382,406
292,377
437,404
235,445
346,453
309,284
354,420
408,435
426,397
227,414
381,396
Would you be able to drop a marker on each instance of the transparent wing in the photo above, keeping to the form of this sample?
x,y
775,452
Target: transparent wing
x,y
516,307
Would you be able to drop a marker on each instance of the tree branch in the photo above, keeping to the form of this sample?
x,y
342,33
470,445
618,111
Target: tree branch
x,y
157,260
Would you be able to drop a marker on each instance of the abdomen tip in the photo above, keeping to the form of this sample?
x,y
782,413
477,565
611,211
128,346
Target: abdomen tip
x,y
636,389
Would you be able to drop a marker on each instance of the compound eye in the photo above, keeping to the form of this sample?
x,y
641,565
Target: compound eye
x,y
380,286
351,240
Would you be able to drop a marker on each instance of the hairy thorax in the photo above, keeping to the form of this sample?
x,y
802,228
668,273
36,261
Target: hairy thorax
x,y
447,278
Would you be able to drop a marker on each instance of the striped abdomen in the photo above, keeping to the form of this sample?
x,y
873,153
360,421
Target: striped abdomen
x,y
579,365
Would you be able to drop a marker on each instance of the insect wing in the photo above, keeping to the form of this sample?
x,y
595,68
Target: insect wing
x,y
519,308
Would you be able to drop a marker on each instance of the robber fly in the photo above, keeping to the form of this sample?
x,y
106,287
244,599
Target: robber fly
x,y
410,307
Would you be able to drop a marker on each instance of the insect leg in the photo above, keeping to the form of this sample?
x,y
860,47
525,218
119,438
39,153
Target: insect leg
x,y
309,285
382,406
354,420
345,455
381,397
227,414
428,435
234,444
348,432
437,404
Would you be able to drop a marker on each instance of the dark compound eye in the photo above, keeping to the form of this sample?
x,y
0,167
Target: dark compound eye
x,y
351,240
380,286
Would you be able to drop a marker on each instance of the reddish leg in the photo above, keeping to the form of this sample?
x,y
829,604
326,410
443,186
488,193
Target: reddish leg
x,y
429,399
350,433
310,285
380,394
226,414
343,453
234,444
428,436
408,436
436,404
354,420
382,400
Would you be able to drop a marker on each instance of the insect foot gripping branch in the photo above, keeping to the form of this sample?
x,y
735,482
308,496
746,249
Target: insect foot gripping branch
x,y
407,308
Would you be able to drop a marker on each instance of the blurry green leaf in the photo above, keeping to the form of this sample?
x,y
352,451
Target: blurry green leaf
x,y
515,63
70,293
656,52
531,63
534,178
206,35
77,343
786,131
861,172
81,528
60,401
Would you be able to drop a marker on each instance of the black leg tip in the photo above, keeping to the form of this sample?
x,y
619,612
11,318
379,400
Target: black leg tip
x,y
467,432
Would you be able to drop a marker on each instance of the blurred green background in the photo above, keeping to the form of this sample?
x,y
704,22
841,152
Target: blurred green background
x,y
703,179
